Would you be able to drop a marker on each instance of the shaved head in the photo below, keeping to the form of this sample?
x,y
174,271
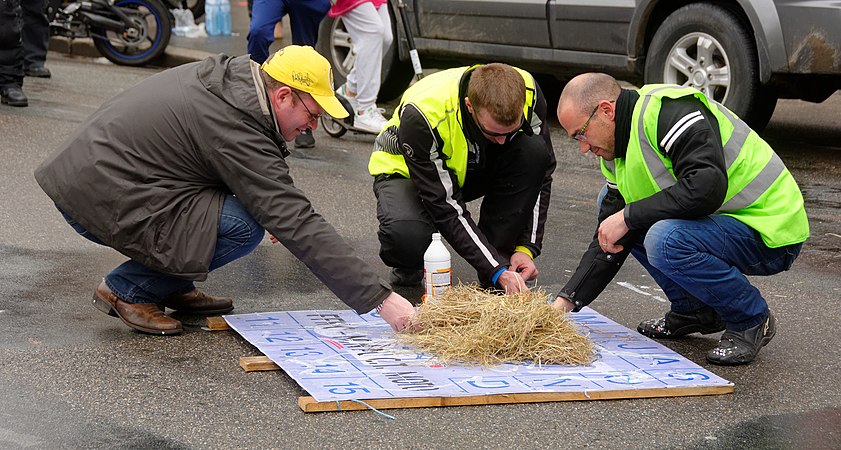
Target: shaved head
x,y
585,91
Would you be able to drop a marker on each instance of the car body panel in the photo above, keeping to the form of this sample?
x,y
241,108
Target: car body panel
x,y
813,41
798,42
591,26
521,23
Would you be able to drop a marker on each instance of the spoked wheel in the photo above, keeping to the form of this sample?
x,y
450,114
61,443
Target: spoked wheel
x,y
144,41
332,126
706,47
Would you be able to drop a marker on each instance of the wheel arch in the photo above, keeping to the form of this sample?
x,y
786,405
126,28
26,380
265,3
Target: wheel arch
x,y
760,16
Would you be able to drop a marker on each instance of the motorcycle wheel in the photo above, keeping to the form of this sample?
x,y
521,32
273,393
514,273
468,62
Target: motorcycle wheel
x,y
142,44
332,126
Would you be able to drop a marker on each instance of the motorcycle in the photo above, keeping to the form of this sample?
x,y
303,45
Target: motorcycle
x,y
127,32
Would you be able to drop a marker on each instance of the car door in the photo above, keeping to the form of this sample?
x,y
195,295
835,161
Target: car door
x,y
507,22
593,26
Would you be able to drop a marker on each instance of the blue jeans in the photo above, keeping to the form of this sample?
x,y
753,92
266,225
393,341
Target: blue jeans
x,y
304,18
239,234
703,262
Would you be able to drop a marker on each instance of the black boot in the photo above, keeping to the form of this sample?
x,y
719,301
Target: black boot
x,y
13,96
675,324
741,347
38,72
305,140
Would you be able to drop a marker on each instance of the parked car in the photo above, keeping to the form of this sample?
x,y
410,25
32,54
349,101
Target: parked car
x,y
744,53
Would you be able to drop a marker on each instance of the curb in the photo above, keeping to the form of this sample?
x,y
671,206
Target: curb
x,y
173,55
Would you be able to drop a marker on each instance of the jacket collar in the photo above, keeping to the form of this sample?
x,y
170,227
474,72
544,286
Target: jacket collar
x,y
471,130
624,112
265,104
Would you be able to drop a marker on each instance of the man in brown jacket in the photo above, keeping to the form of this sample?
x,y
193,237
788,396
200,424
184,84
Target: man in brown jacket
x,y
183,174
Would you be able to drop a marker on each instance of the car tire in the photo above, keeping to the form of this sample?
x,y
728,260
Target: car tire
x,y
334,43
707,47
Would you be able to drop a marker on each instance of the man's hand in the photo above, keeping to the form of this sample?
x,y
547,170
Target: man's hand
x,y
511,282
524,265
397,311
611,230
563,304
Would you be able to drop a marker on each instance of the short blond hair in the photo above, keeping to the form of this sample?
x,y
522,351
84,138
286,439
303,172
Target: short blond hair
x,y
500,90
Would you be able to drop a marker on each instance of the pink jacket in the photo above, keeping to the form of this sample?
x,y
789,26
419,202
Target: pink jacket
x,y
342,7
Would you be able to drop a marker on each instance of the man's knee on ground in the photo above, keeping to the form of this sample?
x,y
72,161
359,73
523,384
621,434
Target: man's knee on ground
x,y
403,242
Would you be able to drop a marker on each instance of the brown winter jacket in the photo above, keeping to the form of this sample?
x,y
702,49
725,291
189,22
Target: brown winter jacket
x,y
148,172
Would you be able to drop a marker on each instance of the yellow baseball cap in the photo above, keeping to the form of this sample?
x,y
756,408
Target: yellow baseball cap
x,y
301,67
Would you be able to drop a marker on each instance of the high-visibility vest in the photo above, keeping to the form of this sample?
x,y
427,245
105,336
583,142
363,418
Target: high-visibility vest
x,y
761,193
437,97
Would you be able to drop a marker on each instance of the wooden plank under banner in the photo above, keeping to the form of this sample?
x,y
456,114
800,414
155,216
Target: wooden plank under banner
x,y
257,363
217,323
309,404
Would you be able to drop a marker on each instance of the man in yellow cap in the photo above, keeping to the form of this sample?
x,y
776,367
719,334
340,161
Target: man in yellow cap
x,y
184,172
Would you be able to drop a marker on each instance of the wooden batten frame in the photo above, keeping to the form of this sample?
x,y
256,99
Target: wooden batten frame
x,y
309,404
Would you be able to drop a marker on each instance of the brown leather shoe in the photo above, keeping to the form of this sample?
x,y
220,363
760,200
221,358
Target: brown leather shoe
x,y
145,317
197,302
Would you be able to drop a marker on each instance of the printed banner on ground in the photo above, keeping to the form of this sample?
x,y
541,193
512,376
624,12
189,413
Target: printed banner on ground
x,y
339,355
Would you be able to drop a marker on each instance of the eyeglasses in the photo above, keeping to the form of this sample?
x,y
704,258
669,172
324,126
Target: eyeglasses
x,y
579,135
312,116
507,135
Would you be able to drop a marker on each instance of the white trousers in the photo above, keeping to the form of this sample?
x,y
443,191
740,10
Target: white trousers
x,y
370,33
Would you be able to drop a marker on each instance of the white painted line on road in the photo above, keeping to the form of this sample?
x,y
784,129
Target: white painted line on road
x,y
630,286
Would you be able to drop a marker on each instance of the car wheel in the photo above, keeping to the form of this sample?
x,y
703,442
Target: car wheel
x,y
706,47
335,44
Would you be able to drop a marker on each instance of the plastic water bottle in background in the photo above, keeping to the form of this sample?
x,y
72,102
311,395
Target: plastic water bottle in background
x,y
225,17
437,271
211,17
183,21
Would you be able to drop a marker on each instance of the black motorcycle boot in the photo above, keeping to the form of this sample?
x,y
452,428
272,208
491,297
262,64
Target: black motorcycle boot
x,y
13,96
741,347
305,140
38,72
676,325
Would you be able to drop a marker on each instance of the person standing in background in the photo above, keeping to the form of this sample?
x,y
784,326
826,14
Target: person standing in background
x,y
35,38
369,26
304,16
11,55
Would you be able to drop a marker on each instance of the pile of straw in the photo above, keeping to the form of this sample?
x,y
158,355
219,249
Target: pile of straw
x,y
471,325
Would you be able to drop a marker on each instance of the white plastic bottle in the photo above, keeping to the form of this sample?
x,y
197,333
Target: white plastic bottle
x,y
437,271
183,21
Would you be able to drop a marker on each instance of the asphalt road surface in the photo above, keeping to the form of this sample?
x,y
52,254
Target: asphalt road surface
x,y
72,377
